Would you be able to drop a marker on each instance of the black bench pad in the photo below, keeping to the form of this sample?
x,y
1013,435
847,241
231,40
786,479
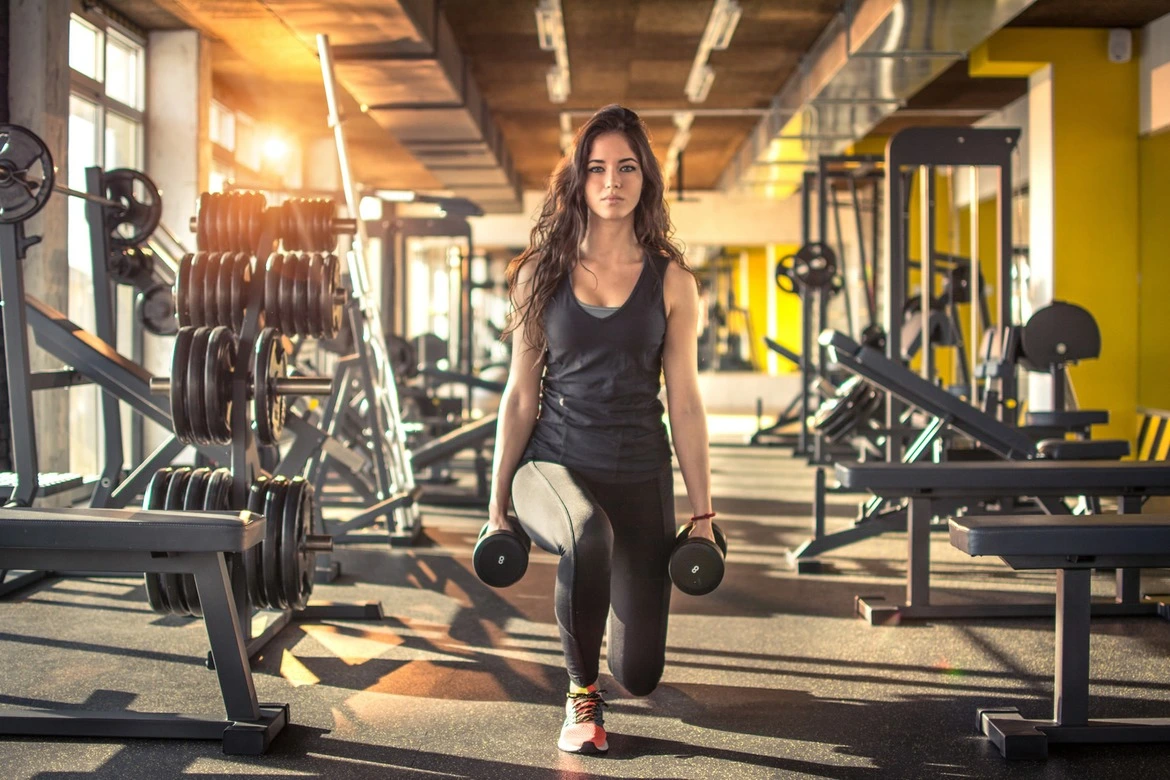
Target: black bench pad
x,y
1053,535
128,530
1074,418
1025,478
1075,449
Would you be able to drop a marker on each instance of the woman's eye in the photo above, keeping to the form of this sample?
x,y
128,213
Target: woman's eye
x,y
597,169
629,168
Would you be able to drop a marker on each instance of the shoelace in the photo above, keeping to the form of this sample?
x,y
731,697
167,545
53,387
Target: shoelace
x,y
585,706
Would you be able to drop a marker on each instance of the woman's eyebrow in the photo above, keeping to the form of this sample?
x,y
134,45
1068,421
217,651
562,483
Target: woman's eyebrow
x,y
624,159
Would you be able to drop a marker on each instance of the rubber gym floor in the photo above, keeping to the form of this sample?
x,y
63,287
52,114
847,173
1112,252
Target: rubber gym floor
x,y
770,676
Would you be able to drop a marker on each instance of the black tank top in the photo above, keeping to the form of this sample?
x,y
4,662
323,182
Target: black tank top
x,y
599,407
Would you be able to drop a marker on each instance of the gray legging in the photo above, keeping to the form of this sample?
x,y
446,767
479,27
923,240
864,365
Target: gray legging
x,y
614,541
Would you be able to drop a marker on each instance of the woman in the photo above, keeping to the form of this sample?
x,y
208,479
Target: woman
x,y
604,305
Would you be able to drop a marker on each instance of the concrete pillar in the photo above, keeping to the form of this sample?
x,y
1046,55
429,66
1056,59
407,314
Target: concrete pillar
x,y
178,151
38,89
178,99
1083,128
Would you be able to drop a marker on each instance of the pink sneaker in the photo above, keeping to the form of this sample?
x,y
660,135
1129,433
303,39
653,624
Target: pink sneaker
x,y
584,729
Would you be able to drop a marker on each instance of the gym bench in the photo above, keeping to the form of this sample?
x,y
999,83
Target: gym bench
x,y
945,411
128,541
1072,546
936,488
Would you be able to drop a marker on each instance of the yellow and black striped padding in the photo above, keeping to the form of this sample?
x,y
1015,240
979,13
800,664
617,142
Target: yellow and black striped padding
x,y
1153,437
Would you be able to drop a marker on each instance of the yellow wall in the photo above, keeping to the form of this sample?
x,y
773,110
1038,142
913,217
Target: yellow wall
x,y
785,329
761,274
1154,295
1095,196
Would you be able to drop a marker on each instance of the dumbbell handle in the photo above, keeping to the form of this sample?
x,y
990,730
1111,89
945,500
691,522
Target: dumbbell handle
x,y
289,385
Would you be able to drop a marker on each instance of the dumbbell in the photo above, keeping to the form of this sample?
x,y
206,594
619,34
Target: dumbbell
x,y
696,564
501,556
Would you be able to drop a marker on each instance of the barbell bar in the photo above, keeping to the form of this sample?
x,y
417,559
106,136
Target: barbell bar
x,y
289,385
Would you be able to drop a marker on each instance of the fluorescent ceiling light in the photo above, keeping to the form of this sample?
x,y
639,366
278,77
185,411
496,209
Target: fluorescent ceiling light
x,y
716,37
550,31
395,196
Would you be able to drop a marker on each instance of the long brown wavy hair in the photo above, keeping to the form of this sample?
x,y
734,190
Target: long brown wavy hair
x,y
556,239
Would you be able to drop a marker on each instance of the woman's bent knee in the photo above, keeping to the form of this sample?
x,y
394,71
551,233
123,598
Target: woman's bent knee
x,y
639,681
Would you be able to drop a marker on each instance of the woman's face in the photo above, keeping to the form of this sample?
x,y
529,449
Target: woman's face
x,y
613,178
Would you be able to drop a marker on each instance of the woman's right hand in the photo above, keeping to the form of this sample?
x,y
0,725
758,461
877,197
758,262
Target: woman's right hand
x,y
498,518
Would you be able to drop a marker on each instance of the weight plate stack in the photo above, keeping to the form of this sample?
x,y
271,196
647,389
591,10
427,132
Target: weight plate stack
x,y
187,490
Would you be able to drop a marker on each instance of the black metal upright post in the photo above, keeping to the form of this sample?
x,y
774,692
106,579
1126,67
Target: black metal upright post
x,y
105,328
13,246
806,325
933,146
1009,389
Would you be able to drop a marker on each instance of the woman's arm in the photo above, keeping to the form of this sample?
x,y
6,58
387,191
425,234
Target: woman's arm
x,y
518,406
680,363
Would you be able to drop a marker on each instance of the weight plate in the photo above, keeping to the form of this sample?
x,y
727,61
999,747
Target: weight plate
x,y
227,272
212,222
217,384
314,272
219,491
193,498
142,206
320,239
815,265
173,582
273,515
301,301
784,278
253,558
211,289
183,291
272,289
241,275
155,308
180,357
26,174
255,208
201,218
331,304
268,363
403,360
223,222
293,565
196,402
287,305
286,222
232,222
155,498
195,289
244,241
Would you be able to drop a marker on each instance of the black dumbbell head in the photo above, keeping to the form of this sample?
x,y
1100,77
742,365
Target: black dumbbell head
x,y
696,565
501,557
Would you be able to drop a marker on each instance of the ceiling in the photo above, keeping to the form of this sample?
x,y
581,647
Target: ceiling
x,y
634,52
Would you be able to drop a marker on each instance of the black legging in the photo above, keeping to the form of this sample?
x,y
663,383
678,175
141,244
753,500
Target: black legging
x,y
614,541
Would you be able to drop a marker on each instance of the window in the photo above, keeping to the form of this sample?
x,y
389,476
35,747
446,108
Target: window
x,y
85,48
223,126
124,70
105,128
